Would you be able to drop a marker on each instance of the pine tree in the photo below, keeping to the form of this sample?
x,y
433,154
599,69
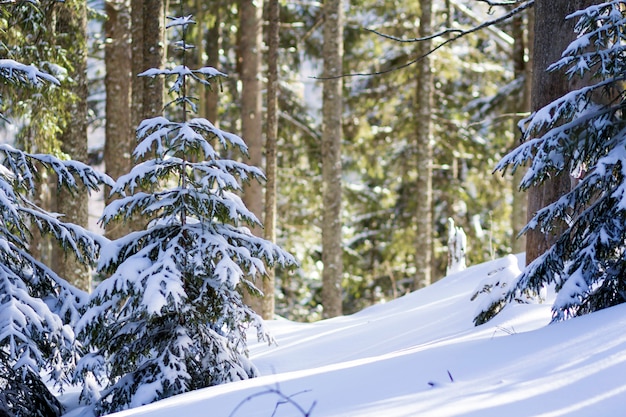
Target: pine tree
x,y
37,307
170,318
582,134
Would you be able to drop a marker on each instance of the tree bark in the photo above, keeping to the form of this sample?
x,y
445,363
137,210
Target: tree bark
x,y
148,51
552,35
521,69
332,109
153,56
424,154
137,65
213,46
119,134
249,64
71,30
271,129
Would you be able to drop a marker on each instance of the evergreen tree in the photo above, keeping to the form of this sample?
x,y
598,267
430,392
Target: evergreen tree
x,y
170,318
37,307
582,134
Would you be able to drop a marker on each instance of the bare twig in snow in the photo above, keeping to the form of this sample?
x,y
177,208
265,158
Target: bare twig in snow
x,y
282,399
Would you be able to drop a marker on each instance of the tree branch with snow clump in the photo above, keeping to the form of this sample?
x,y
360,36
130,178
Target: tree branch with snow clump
x,y
37,307
584,134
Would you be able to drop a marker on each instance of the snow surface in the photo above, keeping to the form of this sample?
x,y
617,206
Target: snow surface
x,y
420,355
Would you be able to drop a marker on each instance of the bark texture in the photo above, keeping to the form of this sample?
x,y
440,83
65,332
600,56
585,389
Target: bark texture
x,y
153,56
137,65
271,129
148,51
521,67
332,108
212,47
552,35
71,32
119,132
249,64
424,154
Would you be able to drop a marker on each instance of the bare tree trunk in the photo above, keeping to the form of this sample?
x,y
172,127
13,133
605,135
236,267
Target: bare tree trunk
x,y
424,155
118,130
153,56
271,129
332,109
213,46
551,36
249,63
521,68
148,51
72,36
137,65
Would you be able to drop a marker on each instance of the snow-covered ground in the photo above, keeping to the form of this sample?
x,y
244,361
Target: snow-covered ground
x,y
421,356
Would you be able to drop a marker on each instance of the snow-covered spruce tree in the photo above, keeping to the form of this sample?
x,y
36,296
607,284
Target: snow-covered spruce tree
x,y
37,308
170,319
583,134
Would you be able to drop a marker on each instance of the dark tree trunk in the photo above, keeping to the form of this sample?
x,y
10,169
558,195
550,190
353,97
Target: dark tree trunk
x,y
249,64
71,32
552,35
521,67
153,56
119,133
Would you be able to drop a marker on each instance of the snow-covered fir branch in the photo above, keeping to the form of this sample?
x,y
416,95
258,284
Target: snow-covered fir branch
x,y
37,307
583,135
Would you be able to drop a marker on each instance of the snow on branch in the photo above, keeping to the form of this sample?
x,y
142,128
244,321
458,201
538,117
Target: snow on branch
x,y
17,72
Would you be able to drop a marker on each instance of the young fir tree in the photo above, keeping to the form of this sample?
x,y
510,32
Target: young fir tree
x,y
170,318
582,133
37,307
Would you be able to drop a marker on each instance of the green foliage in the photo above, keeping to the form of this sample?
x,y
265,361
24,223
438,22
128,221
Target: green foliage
x,y
37,307
25,395
581,134
379,149
27,35
170,319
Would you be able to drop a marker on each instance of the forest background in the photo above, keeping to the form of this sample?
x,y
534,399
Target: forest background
x,y
439,123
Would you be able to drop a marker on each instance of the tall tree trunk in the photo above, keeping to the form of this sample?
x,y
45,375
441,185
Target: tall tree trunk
x,y
521,69
552,35
249,63
271,129
424,155
137,65
72,36
213,46
332,108
153,56
148,51
119,134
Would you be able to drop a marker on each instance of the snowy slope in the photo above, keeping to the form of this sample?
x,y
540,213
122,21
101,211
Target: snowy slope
x,y
420,355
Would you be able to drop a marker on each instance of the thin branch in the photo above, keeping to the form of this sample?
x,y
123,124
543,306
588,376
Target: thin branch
x,y
460,34
500,3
